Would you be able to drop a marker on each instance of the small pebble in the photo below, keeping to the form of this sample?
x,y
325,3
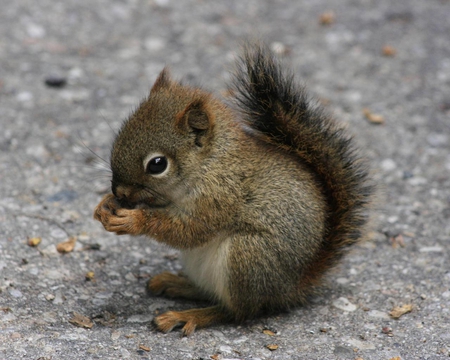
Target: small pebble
x,y
115,335
378,314
15,335
55,81
344,304
140,318
16,293
226,349
279,48
427,249
24,96
407,175
35,31
388,165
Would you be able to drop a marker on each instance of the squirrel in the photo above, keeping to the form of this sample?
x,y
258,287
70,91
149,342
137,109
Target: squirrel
x,y
261,196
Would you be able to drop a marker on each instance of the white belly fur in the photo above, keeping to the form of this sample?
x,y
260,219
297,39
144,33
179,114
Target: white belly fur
x,y
207,267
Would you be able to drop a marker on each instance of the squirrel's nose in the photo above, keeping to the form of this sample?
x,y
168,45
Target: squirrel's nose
x,y
122,192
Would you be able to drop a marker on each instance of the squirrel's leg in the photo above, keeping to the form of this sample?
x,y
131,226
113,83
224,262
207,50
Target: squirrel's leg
x,y
192,319
175,286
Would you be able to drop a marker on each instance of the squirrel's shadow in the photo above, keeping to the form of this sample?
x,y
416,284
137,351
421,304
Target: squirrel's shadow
x,y
145,306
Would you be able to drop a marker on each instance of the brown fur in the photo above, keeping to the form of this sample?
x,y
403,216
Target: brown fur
x,y
268,197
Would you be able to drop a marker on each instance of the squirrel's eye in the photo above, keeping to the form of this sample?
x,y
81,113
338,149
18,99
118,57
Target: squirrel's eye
x,y
157,165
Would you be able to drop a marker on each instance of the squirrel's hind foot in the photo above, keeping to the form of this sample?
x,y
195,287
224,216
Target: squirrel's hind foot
x,y
192,319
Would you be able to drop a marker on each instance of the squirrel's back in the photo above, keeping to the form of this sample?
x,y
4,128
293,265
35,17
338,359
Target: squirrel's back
x,y
280,113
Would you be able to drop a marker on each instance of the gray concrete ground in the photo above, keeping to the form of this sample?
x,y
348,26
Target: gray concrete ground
x,y
110,52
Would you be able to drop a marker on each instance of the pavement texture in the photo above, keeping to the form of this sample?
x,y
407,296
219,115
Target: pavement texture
x,y
72,71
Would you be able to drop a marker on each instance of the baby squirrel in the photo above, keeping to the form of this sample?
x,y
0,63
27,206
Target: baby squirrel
x,y
261,198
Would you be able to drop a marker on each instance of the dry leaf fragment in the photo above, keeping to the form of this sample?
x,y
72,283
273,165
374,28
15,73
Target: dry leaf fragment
x,y
268,332
67,246
373,118
327,18
388,50
272,347
81,321
398,311
397,241
409,234
143,347
34,241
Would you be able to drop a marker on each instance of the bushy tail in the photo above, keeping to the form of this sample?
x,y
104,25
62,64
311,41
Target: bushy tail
x,y
277,108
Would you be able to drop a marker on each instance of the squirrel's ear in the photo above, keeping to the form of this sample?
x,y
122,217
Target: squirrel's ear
x,y
163,80
198,119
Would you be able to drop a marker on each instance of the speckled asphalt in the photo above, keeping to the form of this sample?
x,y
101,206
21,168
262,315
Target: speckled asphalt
x,y
71,72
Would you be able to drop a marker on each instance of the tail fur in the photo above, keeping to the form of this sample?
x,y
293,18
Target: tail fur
x,y
277,108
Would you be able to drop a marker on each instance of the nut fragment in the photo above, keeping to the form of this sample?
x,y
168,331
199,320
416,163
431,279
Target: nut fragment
x,y
373,118
398,311
272,347
81,321
387,330
67,246
327,18
90,276
388,50
143,347
34,241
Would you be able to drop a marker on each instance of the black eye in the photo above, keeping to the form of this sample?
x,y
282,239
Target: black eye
x,y
156,165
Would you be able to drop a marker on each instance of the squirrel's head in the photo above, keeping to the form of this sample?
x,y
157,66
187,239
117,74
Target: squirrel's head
x,y
165,141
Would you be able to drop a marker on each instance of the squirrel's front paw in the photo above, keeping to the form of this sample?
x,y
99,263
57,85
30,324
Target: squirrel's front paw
x,y
106,207
126,221
119,220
